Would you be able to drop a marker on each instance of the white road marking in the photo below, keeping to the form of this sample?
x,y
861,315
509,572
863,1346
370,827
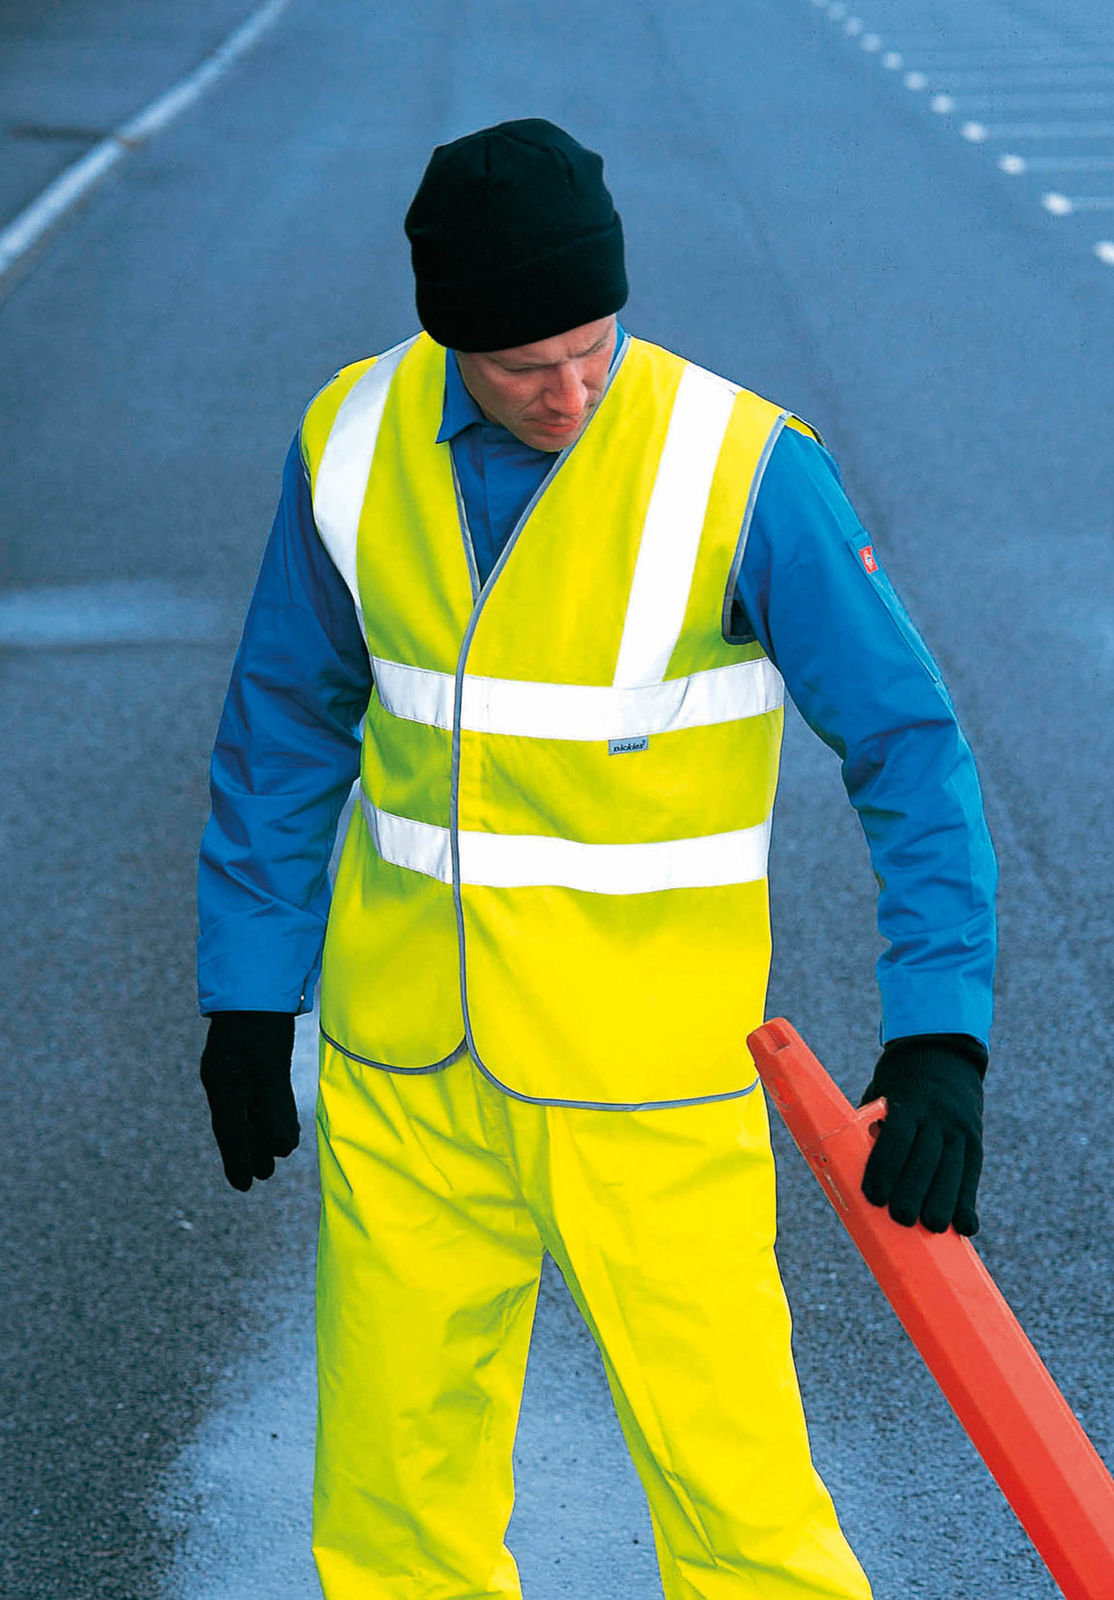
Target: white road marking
x,y
43,214
996,78
1023,78
1065,205
1057,163
1052,101
996,58
978,131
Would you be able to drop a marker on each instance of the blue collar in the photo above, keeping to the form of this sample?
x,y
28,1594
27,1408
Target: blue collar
x,y
460,411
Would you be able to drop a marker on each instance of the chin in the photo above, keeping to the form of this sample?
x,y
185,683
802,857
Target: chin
x,y
541,439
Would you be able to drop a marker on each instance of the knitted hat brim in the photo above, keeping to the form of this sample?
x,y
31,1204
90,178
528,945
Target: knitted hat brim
x,y
532,300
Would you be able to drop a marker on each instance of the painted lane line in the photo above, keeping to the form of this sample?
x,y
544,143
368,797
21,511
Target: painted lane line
x,y
59,197
853,27
916,81
1105,251
1088,100
892,61
1018,164
978,132
1021,78
56,199
942,104
1065,205
871,42
997,59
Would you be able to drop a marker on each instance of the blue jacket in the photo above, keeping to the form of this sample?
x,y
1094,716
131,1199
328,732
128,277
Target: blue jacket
x,y
810,589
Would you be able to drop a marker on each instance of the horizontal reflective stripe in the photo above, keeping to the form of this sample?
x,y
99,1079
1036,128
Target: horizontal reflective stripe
x,y
421,846
577,710
517,861
670,541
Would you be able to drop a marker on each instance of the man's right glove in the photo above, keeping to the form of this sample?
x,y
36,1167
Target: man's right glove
x,y
245,1069
927,1157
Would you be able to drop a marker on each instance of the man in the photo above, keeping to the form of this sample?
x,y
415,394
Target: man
x,y
561,575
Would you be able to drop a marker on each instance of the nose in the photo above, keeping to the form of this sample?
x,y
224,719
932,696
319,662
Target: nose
x,y
567,392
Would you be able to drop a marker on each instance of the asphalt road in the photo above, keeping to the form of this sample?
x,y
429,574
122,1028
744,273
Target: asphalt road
x,y
799,216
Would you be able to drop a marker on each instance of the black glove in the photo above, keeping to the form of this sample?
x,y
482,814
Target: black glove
x,y
245,1068
927,1157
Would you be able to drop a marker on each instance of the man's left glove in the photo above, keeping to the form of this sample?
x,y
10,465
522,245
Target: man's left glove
x,y
245,1069
927,1157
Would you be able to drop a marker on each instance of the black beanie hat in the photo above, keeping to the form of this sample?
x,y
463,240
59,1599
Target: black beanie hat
x,y
514,238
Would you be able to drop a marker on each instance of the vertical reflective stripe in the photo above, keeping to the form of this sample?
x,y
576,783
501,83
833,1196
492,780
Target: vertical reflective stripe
x,y
674,523
338,494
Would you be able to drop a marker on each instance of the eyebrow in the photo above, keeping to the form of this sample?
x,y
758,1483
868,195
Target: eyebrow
x,y
577,355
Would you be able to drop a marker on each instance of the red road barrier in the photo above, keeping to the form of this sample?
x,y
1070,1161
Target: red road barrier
x,y
953,1311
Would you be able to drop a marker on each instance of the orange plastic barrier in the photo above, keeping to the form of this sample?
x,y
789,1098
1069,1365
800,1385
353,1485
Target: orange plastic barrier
x,y
973,1344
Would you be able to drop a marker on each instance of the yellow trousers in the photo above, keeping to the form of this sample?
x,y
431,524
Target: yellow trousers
x,y
440,1195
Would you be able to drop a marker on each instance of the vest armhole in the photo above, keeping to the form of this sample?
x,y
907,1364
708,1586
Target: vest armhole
x,y
787,419
730,636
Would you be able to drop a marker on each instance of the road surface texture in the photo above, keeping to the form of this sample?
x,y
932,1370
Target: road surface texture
x,y
894,218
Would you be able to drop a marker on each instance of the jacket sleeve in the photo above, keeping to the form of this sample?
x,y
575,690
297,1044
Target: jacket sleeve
x,y
286,755
859,673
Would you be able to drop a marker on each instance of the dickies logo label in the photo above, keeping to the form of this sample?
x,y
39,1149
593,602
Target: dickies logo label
x,y
866,556
622,747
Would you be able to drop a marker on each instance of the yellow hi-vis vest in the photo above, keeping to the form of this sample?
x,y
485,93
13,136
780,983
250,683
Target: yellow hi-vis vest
x,y
558,861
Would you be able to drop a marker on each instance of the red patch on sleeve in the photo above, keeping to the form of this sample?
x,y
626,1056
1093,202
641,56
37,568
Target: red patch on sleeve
x,y
866,556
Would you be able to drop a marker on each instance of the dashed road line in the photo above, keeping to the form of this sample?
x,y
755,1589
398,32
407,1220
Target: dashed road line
x,y
980,132
44,213
981,81
993,78
1064,205
1027,102
1015,165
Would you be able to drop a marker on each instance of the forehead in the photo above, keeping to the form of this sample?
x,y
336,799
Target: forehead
x,y
561,347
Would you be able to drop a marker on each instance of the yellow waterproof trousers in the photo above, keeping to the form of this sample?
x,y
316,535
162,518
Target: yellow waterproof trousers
x,y
440,1195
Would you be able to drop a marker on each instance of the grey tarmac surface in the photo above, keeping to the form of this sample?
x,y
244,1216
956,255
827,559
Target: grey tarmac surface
x,y
796,218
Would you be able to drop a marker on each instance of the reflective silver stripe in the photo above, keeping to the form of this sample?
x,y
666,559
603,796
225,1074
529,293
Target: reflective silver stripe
x,y
338,494
576,710
421,846
674,522
514,861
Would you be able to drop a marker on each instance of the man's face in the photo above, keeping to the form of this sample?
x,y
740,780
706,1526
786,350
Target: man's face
x,y
543,393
